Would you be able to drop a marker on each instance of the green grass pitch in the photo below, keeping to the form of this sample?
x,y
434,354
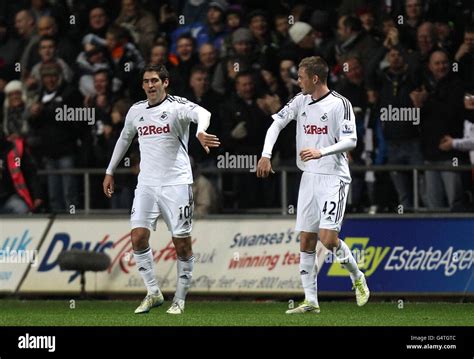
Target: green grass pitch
x,y
231,313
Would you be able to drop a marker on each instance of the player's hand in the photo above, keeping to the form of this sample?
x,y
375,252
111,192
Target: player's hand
x,y
264,167
446,143
310,154
207,140
108,185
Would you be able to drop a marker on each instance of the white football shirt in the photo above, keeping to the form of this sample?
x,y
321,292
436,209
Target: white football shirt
x,y
321,123
163,133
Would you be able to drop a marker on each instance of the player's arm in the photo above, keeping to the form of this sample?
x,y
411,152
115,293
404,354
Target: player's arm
x,y
461,144
121,147
347,140
280,120
202,118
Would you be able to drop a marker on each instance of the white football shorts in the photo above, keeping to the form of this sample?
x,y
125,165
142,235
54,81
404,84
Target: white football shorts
x,y
321,202
173,202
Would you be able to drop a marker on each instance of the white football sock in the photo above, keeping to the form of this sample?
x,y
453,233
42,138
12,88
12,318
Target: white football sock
x,y
347,259
308,273
146,268
185,274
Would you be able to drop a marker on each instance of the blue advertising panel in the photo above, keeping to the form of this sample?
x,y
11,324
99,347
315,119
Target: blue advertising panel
x,y
407,255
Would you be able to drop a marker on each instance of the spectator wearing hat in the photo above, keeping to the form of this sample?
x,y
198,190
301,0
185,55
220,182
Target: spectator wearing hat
x,y
234,21
213,30
15,122
302,42
241,55
233,18
53,139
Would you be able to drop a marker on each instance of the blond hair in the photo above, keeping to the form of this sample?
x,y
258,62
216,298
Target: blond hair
x,y
315,65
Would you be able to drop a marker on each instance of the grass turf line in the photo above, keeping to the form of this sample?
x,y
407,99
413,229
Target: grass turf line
x,y
120,313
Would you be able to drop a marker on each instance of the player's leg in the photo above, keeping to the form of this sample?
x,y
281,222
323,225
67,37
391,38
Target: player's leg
x,y
333,194
176,203
308,267
144,215
329,238
307,221
185,266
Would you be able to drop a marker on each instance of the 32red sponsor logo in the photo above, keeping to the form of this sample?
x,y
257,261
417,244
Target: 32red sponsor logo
x,y
153,130
315,130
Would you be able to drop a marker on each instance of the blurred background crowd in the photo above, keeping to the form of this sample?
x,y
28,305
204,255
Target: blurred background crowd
x,y
238,59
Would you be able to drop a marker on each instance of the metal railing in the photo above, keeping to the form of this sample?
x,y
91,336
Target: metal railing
x,y
281,170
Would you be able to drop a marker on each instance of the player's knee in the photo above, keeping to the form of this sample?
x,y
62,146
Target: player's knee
x,y
329,239
183,246
308,241
140,238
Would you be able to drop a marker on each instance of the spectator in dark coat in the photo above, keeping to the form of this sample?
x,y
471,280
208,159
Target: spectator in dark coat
x,y
393,86
204,96
442,110
55,134
353,39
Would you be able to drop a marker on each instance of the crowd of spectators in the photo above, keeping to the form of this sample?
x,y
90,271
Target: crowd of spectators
x,y
238,59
